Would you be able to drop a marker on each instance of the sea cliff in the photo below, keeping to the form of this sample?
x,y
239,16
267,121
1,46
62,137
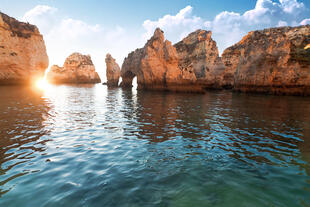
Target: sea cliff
x,y
23,57
273,61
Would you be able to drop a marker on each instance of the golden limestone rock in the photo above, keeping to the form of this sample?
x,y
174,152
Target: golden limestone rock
x,y
189,66
23,57
113,71
274,61
77,68
198,54
155,65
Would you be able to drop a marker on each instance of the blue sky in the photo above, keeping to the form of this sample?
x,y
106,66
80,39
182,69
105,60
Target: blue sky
x,y
126,12
118,27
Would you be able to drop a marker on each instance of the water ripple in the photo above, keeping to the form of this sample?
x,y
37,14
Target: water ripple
x,y
90,146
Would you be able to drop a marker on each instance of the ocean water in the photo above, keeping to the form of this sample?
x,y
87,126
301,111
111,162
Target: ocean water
x,y
90,146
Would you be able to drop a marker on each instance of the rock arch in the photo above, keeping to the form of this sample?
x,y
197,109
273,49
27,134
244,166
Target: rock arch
x,y
161,66
127,79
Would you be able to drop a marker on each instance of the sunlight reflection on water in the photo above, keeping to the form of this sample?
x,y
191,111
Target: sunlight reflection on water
x,y
86,145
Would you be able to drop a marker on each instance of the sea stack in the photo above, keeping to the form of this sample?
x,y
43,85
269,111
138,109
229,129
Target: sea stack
x,y
189,66
23,57
77,69
274,61
113,71
155,65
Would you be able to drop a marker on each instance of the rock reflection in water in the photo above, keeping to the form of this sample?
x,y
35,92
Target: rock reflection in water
x,y
22,125
94,146
246,127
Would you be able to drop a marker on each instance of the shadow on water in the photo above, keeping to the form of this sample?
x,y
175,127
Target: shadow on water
x,y
22,125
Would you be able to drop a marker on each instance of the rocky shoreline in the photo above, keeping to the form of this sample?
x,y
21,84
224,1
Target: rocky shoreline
x,y
272,61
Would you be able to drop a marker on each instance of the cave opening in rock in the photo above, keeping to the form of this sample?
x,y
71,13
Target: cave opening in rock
x,y
129,80
135,83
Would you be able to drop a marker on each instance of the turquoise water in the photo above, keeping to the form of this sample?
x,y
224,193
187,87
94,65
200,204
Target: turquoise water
x,y
90,146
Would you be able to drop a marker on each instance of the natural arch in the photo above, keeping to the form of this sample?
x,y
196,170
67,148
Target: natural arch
x,y
127,78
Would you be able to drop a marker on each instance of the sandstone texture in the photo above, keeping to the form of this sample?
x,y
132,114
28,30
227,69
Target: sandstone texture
x,y
155,65
23,57
113,71
189,66
198,54
274,61
77,68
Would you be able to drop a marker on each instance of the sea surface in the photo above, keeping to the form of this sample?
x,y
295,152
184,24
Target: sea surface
x,y
92,146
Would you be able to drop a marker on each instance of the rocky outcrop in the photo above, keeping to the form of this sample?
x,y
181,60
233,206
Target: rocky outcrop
x,y
273,61
23,57
198,54
113,71
188,66
155,65
77,68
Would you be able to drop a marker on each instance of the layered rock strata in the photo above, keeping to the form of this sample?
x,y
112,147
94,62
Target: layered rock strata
x,y
188,66
113,71
155,65
77,68
275,61
23,57
198,54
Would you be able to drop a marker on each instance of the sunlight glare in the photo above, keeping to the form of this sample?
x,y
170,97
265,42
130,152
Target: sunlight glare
x,y
42,84
307,47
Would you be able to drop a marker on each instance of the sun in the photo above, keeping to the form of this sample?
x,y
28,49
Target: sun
x,y
42,83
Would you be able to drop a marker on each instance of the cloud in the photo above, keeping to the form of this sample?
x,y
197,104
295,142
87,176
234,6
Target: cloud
x,y
305,22
41,15
292,6
175,27
229,27
64,36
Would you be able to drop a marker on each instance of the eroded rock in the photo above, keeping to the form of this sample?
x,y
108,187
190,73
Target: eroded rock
x,y
189,66
155,65
77,68
113,71
273,61
23,57
198,54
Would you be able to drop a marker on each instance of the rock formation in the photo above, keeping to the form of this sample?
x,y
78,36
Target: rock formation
x,y
77,68
198,53
155,65
23,57
188,66
113,71
273,61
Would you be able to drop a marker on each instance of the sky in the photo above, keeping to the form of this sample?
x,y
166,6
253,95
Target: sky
x,y
98,27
